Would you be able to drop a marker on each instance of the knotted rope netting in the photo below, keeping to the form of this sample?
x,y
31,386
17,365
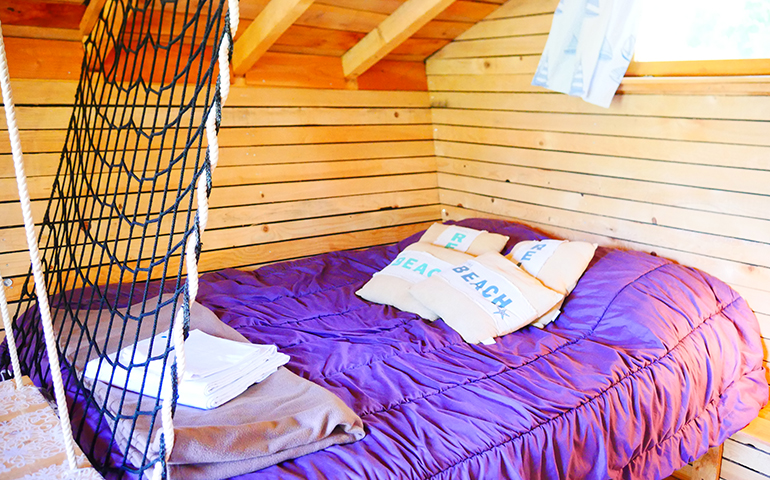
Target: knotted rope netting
x,y
125,216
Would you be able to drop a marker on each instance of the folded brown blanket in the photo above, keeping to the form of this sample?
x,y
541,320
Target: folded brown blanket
x,y
280,418
283,417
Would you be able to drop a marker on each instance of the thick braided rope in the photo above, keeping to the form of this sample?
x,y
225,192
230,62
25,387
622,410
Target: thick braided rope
x,y
194,241
34,253
9,337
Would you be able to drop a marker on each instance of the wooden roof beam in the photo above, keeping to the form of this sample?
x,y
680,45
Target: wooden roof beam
x,y
261,34
90,16
399,26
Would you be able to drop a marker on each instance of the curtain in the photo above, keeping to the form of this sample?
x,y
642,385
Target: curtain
x,y
589,48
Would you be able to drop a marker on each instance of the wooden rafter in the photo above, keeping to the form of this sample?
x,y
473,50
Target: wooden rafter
x,y
107,29
90,16
400,25
274,19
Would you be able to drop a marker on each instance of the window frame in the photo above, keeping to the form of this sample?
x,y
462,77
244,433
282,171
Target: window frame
x,y
697,68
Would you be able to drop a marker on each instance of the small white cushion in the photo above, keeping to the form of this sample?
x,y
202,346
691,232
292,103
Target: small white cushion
x,y
559,264
486,297
463,239
417,262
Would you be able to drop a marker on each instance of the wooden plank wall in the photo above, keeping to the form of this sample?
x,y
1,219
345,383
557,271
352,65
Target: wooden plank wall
x,y
301,172
676,167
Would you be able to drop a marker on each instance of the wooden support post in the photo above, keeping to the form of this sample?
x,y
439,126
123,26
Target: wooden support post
x,y
709,466
400,25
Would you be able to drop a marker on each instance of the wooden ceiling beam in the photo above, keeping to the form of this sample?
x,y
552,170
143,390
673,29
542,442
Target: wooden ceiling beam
x,y
90,16
260,35
400,25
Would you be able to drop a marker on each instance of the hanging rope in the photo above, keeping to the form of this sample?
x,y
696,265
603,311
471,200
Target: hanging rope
x,y
194,244
7,325
122,198
34,254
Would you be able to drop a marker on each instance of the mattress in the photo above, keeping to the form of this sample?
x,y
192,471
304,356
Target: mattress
x,y
649,365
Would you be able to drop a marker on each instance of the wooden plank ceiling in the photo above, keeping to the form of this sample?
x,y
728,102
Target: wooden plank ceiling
x,y
364,44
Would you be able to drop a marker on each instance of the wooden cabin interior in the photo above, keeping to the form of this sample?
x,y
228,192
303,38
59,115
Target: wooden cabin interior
x,y
353,123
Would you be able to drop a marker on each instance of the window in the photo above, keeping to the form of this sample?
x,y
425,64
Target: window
x,y
703,37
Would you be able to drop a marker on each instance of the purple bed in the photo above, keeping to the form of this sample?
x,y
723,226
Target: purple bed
x,y
649,365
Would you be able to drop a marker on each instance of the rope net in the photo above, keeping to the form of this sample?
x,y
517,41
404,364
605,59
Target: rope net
x,y
124,220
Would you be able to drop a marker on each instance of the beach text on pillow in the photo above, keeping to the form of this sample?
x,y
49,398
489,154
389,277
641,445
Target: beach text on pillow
x,y
417,262
485,297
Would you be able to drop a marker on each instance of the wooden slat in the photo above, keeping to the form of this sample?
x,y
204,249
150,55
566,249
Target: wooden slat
x,y
339,18
743,86
483,66
748,455
519,45
42,59
405,21
681,129
46,14
518,8
53,140
514,83
506,27
30,92
734,471
683,106
260,35
740,156
699,67
26,31
390,75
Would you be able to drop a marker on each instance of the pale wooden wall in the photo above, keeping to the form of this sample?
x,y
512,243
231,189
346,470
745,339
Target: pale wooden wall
x,y
673,167
302,171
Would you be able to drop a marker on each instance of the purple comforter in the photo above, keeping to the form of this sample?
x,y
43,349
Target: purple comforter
x,y
649,364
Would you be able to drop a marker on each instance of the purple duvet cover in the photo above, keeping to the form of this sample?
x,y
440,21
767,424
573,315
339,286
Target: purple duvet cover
x,y
649,365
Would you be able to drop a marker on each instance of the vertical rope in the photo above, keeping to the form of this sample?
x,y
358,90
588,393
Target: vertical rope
x,y
193,246
9,336
34,253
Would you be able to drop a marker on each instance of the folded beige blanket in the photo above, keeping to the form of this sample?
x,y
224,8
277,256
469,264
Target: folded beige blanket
x,y
280,418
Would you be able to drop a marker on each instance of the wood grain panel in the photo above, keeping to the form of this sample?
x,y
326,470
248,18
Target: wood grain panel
x,y
685,106
301,172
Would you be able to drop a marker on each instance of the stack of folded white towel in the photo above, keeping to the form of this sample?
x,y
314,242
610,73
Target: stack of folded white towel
x,y
217,369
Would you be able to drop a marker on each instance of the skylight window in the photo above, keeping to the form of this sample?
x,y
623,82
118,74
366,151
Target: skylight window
x,y
703,30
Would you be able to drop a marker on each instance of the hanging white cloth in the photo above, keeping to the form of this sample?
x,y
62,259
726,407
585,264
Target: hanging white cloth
x,y
589,48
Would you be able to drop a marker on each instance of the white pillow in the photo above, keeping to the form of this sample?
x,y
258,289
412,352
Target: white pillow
x,y
486,297
559,264
463,239
417,262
